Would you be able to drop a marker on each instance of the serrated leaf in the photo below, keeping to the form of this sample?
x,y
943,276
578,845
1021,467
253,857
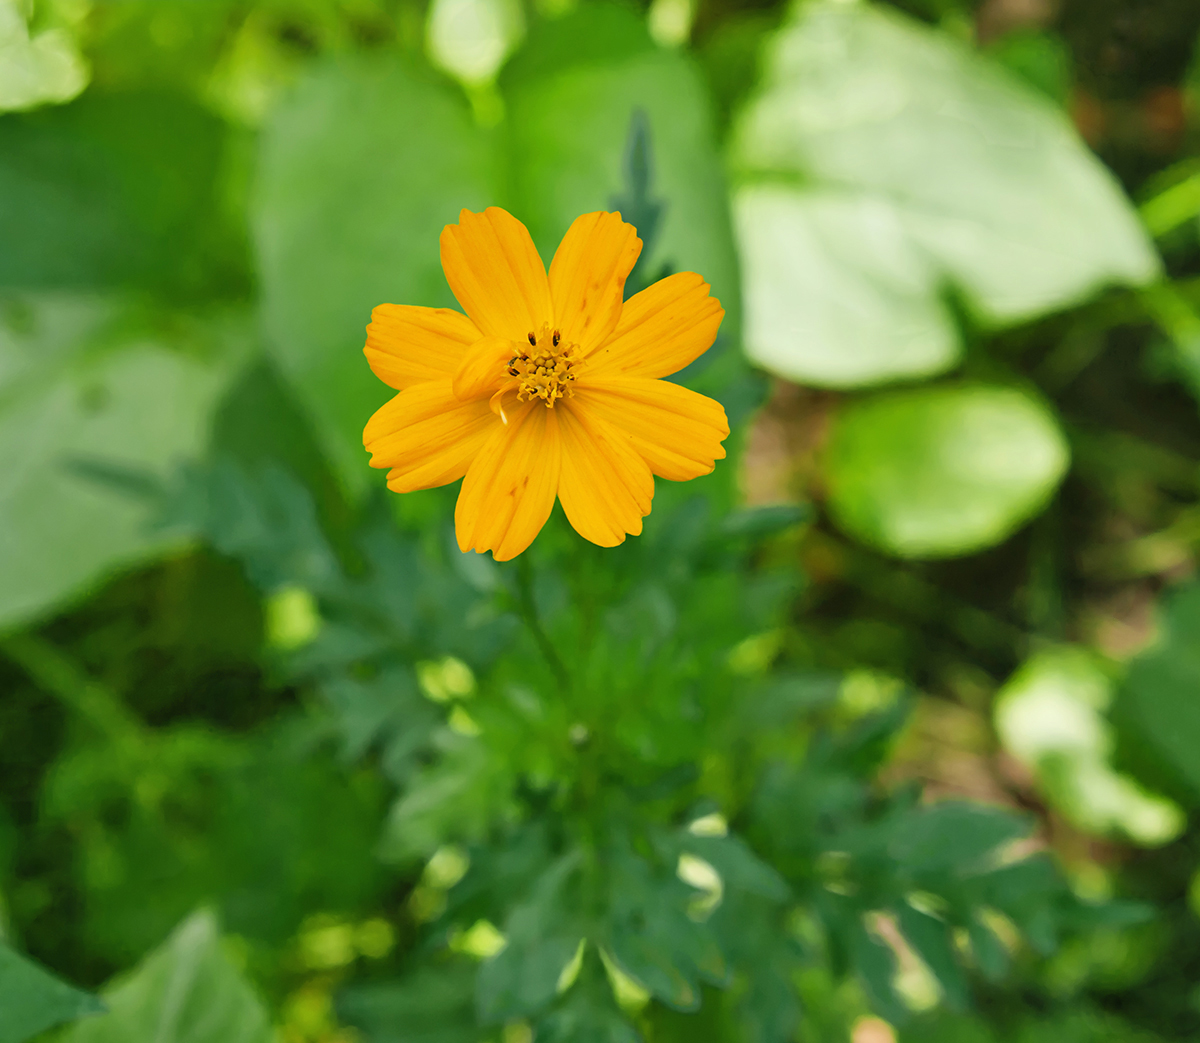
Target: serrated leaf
x,y
33,1000
653,938
542,935
952,837
932,941
588,1013
990,954
433,1004
740,868
186,991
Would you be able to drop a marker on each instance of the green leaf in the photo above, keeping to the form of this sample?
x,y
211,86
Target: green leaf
x,y
186,991
942,471
1158,698
882,161
653,938
933,942
837,292
455,798
359,171
588,1013
32,1000
88,381
569,116
119,189
36,68
988,950
1050,715
433,1004
953,836
543,934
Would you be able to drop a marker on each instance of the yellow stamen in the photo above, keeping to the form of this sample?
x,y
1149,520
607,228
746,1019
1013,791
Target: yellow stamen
x,y
544,370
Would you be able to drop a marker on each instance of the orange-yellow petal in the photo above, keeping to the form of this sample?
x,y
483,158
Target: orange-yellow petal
x,y
426,436
661,329
482,369
605,486
409,345
509,490
496,274
677,431
587,277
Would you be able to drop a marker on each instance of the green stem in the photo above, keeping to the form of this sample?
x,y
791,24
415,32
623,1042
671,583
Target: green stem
x,y
58,675
527,609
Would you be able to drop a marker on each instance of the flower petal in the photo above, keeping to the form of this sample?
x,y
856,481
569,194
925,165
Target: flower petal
x,y
427,436
661,329
482,369
408,345
496,274
509,490
587,277
605,486
677,431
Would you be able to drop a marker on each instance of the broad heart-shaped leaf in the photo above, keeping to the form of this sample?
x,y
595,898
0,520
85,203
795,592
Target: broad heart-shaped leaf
x,y
32,1000
1158,700
948,172
186,991
359,171
942,471
837,292
85,380
569,116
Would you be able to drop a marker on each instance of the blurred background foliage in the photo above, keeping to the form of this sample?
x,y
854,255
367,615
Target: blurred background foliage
x,y
885,731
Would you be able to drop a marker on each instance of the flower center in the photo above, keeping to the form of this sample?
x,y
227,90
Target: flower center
x,y
544,369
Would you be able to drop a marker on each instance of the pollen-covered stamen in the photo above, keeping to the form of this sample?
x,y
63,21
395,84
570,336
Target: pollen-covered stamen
x,y
545,370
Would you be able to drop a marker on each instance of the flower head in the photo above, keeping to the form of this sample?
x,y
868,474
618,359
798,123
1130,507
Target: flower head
x,y
548,387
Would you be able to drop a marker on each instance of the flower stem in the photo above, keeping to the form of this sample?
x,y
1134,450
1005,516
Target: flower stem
x,y
527,608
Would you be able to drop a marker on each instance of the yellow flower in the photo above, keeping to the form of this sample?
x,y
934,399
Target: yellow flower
x,y
547,387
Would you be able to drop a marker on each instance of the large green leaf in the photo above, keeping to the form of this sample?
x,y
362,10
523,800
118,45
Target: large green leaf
x,y
84,379
187,991
837,292
359,171
1159,695
942,471
118,189
36,67
1050,715
569,114
900,163
32,1000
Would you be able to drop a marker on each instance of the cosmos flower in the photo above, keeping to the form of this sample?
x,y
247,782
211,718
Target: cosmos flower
x,y
547,387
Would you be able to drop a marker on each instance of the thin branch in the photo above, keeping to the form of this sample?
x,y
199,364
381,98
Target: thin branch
x,y
58,675
527,609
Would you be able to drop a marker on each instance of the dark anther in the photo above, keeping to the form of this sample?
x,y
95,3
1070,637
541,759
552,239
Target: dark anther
x,y
533,340
556,338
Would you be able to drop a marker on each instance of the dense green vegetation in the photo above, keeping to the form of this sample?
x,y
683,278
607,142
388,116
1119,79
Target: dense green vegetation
x,y
886,730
